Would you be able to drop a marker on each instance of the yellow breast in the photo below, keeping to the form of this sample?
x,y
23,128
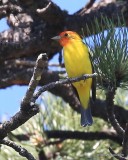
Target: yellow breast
x,y
76,58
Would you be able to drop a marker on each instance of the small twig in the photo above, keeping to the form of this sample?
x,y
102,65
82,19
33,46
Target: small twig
x,y
22,151
125,142
117,156
40,64
110,111
54,84
40,11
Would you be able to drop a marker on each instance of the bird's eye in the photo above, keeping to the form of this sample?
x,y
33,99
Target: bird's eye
x,y
66,34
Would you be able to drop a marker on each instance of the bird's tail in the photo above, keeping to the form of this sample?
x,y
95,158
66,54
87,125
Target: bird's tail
x,y
86,117
83,92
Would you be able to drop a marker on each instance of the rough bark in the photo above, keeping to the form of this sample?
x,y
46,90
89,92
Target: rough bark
x,y
33,23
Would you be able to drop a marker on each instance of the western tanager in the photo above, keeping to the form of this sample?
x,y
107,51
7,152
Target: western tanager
x,y
77,62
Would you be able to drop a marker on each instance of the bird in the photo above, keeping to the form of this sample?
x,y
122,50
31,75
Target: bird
x,y
78,62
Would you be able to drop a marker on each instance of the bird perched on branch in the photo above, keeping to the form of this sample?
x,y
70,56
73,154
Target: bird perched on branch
x,y
77,63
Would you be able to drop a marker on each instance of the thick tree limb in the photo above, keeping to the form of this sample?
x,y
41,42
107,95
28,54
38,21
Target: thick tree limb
x,y
52,22
63,135
83,135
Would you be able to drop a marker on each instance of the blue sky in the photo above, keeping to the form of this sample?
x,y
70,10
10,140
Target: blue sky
x,y
11,97
71,5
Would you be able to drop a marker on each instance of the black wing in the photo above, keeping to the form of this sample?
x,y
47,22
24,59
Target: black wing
x,y
93,81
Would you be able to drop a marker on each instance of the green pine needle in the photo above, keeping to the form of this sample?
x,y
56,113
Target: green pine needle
x,y
110,54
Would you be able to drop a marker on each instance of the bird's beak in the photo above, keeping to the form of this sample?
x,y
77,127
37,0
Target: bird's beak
x,y
57,38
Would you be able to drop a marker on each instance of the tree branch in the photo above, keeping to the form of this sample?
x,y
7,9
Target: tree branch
x,y
67,81
40,11
83,135
63,135
110,110
27,109
41,63
22,151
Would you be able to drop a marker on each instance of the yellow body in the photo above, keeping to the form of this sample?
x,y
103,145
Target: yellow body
x,y
77,63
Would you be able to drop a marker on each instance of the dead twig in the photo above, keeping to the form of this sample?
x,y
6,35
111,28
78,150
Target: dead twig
x,y
40,11
22,151
40,64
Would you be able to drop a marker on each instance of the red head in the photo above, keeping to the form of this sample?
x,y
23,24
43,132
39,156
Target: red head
x,y
67,37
